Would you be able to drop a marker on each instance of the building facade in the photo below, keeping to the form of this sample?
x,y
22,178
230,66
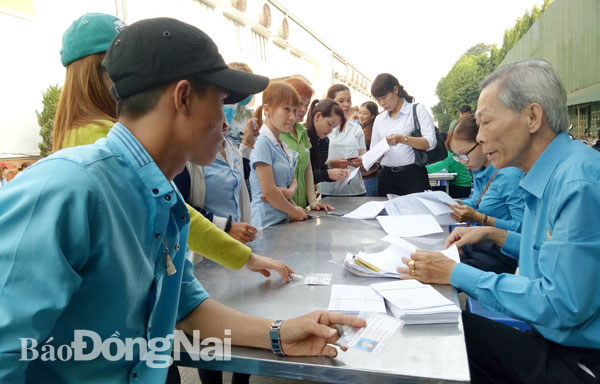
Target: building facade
x,y
568,36
263,34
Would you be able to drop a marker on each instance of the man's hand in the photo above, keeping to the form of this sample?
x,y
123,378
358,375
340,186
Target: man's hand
x,y
323,207
251,132
472,235
262,264
340,162
338,174
394,139
242,232
309,335
462,213
427,267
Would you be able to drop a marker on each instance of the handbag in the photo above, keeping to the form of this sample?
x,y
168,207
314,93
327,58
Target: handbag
x,y
438,153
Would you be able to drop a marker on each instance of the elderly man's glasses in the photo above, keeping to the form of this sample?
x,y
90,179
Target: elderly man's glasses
x,y
463,156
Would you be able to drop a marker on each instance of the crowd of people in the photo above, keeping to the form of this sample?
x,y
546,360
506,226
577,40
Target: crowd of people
x,y
157,152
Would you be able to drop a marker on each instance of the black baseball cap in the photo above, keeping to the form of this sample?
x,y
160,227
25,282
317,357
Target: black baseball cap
x,y
154,52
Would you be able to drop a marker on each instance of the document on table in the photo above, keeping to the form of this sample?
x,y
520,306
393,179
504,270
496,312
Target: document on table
x,y
370,157
341,184
353,299
409,225
451,252
369,210
374,337
430,202
386,260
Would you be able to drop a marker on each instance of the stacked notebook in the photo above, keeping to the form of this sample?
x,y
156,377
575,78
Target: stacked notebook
x,y
417,303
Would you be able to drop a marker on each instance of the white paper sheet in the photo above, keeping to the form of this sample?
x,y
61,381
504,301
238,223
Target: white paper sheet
x,y
452,253
386,260
436,207
369,210
400,242
341,184
354,299
370,157
409,225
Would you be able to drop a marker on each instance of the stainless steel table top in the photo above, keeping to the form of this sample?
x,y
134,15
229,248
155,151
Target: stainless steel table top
x,y
417,353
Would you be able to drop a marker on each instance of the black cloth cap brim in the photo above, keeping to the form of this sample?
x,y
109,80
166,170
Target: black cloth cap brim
x,y
238,84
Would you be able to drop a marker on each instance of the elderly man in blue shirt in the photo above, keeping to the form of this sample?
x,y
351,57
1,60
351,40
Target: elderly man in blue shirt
x,y
93,274
523,117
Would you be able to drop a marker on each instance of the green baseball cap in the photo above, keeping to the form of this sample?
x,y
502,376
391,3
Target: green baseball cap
x,y
91,33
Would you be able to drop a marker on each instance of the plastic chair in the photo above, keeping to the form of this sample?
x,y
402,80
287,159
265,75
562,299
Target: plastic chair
x,y
475,307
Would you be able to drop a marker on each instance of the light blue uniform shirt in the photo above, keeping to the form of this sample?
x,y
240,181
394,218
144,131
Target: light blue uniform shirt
x,y
557,290
82,249
223,182
267,150
502,199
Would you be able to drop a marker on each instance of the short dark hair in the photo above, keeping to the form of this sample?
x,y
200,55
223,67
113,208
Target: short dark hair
x,y
384,83
140,104
465,109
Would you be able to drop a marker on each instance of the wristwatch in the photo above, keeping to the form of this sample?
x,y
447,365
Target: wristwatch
x,y
274,336
405,139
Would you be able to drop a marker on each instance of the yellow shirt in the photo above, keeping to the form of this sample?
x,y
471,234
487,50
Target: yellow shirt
x,y
204,237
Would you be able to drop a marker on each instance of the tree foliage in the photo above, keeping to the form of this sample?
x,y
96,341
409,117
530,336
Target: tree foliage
x,y
461,85
46,117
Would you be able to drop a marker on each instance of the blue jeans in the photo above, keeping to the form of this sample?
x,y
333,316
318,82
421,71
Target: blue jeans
x,y
371,186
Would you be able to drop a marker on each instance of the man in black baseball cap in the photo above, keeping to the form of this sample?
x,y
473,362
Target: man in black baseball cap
x,y
157,51
106,246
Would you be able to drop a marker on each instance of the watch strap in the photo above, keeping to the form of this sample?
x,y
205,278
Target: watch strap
x,y
275,339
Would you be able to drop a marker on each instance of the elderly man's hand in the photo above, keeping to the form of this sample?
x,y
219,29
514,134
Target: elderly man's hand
x,y
427,267
462,236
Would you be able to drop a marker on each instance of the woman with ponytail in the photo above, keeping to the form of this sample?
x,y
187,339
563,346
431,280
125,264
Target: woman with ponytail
x,y
272,162
400,174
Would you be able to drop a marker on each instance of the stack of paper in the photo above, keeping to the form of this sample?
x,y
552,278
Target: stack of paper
x,y
355,266
352,299
384,263
417,303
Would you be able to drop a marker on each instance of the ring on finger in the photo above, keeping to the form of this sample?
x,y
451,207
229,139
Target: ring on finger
x,y
411,264
412,272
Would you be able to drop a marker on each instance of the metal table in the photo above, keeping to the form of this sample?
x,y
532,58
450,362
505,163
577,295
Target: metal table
x,y
417,353
439,176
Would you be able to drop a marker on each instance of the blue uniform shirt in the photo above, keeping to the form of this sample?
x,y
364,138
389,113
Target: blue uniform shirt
x,y
558,250
502,199
223,179
84,233
267,150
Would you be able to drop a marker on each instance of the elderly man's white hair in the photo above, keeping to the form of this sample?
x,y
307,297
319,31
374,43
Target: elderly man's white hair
x,y
531,81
